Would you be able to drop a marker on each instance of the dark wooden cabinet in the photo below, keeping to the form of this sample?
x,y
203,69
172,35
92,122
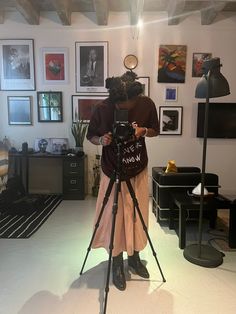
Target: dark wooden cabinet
x,y
74,178
71,170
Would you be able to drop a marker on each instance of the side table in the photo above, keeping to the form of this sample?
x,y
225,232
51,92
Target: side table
x,y
182,201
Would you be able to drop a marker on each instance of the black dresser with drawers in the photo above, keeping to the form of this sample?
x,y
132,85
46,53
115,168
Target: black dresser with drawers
x,y
74,179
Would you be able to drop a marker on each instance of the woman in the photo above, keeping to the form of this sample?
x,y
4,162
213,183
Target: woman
x,y
129,236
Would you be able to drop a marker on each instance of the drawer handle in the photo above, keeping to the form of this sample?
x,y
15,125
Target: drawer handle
x,y
73,164
73,181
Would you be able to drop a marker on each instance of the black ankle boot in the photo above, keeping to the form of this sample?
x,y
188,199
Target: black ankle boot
x,y
118,272
135,263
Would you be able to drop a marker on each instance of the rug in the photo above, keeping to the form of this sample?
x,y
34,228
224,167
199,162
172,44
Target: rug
x,y
24,226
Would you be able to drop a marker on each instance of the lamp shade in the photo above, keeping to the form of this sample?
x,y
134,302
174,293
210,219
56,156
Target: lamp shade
x,y
218,85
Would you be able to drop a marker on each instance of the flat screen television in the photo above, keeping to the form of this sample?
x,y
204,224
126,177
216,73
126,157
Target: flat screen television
x,y
222,120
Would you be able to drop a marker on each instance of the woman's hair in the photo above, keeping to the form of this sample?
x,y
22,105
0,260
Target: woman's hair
x,y
124,87
116,88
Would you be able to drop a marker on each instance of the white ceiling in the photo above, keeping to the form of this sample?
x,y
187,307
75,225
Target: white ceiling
x,y
174,9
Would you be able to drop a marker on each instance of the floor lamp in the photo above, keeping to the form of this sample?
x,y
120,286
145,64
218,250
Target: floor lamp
x,y
212,84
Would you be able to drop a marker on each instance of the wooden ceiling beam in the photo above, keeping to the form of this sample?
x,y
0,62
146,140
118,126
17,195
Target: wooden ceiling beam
x,y
63,9
136,11
1,17
175,10
102,11
29,11
209,13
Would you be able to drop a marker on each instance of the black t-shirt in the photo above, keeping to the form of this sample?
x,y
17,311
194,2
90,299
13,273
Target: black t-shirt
x,y
133,154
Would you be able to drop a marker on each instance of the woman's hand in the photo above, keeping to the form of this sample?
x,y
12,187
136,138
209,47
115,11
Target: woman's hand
x,y
139,131
106,139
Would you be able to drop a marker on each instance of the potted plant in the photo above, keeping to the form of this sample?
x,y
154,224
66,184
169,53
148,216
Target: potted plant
x,y
79,129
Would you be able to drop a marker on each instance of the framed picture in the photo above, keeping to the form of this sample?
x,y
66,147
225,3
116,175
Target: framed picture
x,y
170,93
170,120
49,106
145,81
198,59
91,62
83,106
59,145
19,110
55,65
42,145
172,64
17,64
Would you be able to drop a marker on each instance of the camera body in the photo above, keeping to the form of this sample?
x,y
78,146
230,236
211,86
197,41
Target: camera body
x,y
122,130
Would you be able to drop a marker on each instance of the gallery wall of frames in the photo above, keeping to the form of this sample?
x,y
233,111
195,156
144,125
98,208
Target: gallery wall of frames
x,y
17,71
18,74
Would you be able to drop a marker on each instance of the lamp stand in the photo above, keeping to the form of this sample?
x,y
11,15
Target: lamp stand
x,y
199,254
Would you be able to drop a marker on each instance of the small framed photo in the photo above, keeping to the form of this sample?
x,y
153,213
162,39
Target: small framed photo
x,y
19,110
170,93
91,63
145,81
59,145
83,106
49,106
42,145
170,120
198,59
55,65
17,64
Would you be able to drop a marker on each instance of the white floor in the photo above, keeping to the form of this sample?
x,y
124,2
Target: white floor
x,y
40,275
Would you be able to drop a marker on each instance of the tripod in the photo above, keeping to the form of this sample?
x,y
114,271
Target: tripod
x,y
116,179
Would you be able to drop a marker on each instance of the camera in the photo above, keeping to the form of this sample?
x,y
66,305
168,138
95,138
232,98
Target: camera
x,y
122,130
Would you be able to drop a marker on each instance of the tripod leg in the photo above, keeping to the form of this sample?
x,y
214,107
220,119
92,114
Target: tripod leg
x,y
135,201
105,200
114,212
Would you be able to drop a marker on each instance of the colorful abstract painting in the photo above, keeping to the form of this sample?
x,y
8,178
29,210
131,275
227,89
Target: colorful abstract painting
x,y
172,63
198,59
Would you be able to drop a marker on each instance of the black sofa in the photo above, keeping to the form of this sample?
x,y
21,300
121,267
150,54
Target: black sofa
x,y
186,178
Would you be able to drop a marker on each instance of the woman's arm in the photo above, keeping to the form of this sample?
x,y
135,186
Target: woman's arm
x,y
104,140
145,132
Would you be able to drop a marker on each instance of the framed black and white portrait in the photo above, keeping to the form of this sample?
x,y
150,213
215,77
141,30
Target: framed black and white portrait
x,y
17,64
170,120
19,110
91,59
59,145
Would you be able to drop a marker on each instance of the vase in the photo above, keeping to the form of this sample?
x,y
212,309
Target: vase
x,y
79,149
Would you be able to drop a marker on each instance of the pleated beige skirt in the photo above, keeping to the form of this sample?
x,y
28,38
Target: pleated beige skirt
x,y
129,234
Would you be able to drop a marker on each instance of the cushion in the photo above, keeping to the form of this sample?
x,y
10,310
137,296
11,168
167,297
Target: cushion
x,y
160,171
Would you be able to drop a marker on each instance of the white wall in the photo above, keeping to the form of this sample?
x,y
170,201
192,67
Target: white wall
x,y
218,38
